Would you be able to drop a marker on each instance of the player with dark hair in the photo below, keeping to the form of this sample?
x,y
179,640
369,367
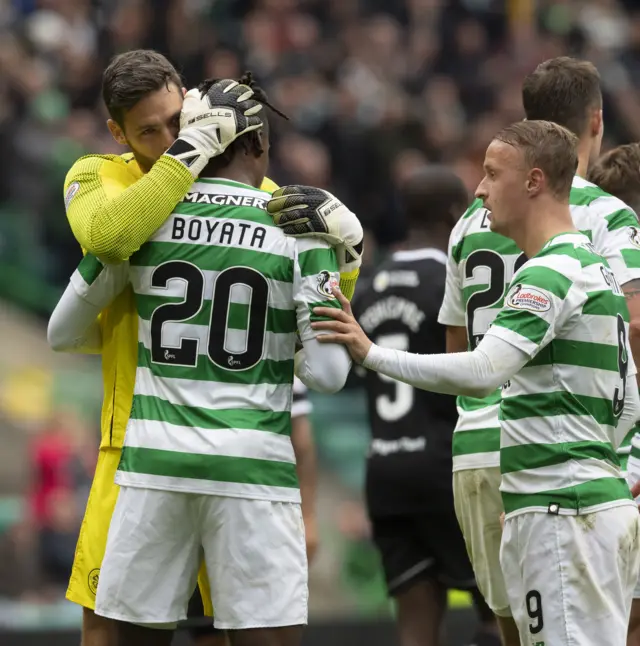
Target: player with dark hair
x,y
480,267
560,348
567,91
207,455
409,494
618,173
114,203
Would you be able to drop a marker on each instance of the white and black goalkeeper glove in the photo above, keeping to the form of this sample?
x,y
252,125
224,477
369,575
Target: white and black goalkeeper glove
x,y
306,211
212,120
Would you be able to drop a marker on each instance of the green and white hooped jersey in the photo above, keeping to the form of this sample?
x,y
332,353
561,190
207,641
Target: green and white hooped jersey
x,y
221,294
480,267
559,413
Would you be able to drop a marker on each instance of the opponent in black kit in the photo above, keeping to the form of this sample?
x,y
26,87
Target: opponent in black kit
x,y
408,486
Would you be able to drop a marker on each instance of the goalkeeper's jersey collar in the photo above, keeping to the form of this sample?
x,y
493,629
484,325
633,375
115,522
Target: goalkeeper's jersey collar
x,y
132,165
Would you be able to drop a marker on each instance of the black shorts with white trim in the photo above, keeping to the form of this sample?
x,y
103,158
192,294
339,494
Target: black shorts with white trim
x,y
422,546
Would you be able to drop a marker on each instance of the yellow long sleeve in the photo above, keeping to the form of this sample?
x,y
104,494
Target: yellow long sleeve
x,y
348,282
114,209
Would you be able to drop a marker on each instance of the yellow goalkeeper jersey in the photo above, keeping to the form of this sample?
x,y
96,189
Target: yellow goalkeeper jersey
x,y
113,208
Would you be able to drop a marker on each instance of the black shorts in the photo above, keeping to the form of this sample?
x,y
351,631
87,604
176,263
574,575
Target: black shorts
x,y
422,546
197,623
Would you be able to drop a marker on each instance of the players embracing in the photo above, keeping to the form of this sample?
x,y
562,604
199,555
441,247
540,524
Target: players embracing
x,y
114,204
552,471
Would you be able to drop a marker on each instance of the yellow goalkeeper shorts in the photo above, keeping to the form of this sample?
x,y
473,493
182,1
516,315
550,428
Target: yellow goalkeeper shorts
x,y
92,540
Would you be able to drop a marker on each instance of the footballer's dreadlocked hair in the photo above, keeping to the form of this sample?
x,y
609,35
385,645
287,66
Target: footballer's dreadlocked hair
x,y
251,142
246,79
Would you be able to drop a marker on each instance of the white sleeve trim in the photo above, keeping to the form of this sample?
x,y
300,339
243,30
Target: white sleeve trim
x,y
513,339
104,289
452,308
300,408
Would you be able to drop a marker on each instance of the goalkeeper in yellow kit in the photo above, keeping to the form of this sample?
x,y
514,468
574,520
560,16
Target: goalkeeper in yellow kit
x,y
114,203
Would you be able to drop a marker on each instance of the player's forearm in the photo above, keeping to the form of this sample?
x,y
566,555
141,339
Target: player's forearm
x,y
474,374
323,368
121,224
74,326
456,339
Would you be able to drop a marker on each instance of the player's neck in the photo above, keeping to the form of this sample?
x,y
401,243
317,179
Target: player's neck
x,y
236,171
584,155
541,226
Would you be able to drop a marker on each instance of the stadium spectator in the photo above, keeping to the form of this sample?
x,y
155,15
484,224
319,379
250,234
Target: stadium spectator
x,y
374,88
61,474
363,80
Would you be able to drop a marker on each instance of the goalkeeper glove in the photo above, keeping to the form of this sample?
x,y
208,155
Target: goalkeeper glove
x,y
305,211
212,120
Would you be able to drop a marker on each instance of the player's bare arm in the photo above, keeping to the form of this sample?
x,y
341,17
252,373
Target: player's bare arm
x,y
456,338
307,468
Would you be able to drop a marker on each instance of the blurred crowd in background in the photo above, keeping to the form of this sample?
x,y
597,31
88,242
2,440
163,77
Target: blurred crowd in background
x,y
373,89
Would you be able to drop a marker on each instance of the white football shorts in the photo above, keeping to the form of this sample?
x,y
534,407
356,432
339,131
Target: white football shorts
x,y
633,475
570,579
254,551
478,504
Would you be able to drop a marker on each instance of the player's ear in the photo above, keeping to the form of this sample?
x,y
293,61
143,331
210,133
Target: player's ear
x,y
597,123
116,132
535,182
184,91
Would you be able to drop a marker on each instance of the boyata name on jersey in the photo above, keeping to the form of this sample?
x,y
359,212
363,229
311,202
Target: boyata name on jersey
x,y
225,200
392,308
214,231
